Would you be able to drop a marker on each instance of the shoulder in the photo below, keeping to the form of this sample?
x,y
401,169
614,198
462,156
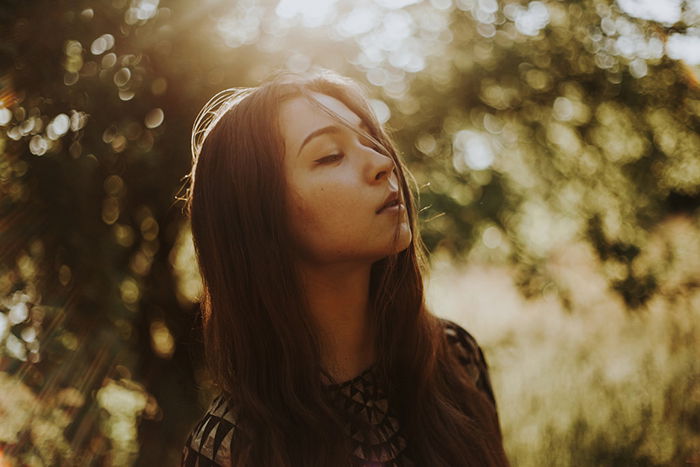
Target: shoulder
x,y
468,352
209,441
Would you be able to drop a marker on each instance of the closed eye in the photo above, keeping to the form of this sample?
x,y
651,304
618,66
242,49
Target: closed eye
x,y
330,158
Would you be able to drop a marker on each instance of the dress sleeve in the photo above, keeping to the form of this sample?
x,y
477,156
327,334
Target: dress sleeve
x,y
470,355
209,442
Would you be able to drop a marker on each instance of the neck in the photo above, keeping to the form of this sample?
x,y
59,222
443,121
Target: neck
x,y
338,297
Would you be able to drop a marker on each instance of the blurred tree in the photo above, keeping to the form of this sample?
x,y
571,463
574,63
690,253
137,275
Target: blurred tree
x,y
561,120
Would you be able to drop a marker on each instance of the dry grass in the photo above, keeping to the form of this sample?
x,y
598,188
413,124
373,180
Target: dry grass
x,y
597,384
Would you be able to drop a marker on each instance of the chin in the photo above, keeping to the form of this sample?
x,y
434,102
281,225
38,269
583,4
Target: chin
x,y
403,242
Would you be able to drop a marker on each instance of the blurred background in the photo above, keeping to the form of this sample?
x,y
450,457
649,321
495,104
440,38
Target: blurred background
x,y
555,145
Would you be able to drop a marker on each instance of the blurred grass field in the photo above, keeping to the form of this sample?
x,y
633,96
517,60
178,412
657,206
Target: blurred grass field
x,y
592,384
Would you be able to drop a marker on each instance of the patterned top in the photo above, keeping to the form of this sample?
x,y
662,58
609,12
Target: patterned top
x,y
209,442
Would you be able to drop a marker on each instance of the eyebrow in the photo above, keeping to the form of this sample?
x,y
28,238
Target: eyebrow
x,y
326,130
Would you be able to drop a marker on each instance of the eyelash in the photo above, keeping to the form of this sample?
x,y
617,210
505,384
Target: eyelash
x,y
337,156
331,157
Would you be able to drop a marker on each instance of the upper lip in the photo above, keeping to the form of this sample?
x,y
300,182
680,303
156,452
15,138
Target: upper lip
x,y
393,196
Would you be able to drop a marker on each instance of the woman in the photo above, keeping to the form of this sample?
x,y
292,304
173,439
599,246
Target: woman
x,y
315,325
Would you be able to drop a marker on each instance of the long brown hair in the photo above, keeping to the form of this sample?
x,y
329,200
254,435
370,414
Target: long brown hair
x,y
261,345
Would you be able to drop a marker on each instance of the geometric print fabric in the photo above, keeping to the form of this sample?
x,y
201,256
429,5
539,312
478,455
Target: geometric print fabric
x,y
371,424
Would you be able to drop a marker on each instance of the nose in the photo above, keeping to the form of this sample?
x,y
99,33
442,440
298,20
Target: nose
x,y
382,167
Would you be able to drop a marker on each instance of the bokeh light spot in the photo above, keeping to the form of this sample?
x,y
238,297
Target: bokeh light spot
x,y
113,185
102,44
313,12
126,95
149,228
38,145
87,14
64,275
122,77
5,116
162,340
18,313
492,237
109,60
381,110
159,86
395,4
124,235
684,47
110,210
130,292
360,20
531,20
154,118
663,11
58,127
471,150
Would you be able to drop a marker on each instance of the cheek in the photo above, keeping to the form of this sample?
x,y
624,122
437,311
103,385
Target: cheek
x,y
327,208
327,214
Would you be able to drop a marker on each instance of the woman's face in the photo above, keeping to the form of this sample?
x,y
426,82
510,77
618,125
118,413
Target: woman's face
x,y
336,184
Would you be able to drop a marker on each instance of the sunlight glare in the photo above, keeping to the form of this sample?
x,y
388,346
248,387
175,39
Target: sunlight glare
x,y
313,12
359,21
663,11
530,20
472,150
684,47
395,4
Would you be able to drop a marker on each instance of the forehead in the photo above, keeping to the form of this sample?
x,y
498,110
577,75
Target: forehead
x,y
298,117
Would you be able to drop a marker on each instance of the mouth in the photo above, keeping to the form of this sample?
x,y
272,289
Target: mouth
x,y
392,202
394,209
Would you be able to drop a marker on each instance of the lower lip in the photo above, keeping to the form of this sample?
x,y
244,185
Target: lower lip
x,y
392,210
